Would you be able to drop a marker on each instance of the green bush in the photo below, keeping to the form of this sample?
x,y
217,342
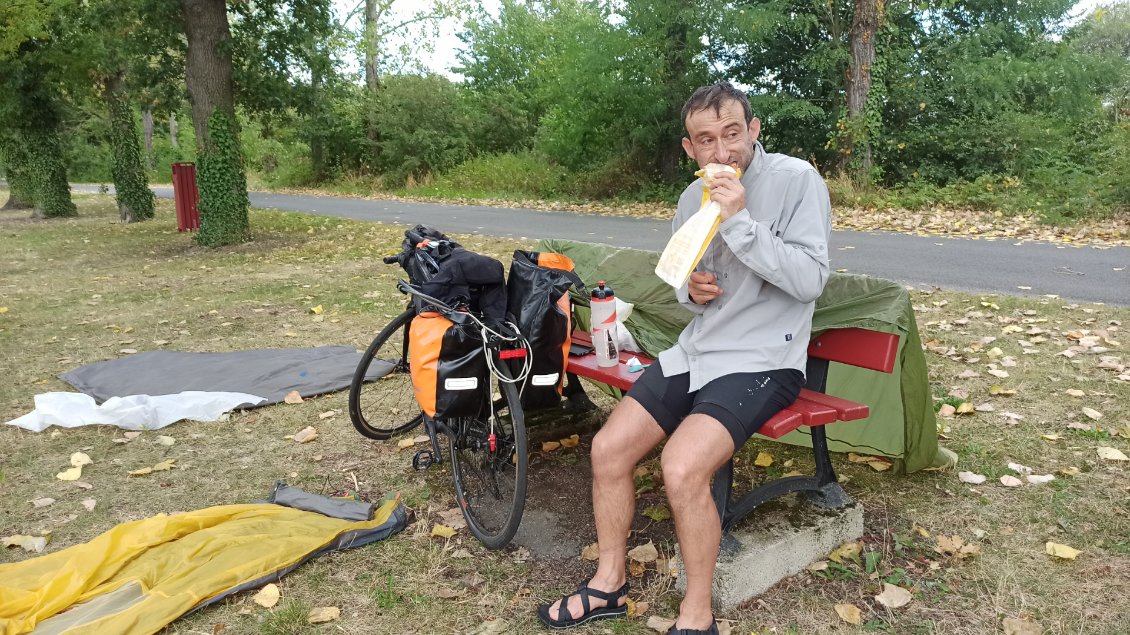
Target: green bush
x,y
521,174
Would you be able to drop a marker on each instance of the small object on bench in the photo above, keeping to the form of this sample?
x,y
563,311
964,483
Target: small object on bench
x,y
864,348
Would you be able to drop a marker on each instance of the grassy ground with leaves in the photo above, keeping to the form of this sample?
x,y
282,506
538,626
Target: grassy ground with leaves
x,y
1037,383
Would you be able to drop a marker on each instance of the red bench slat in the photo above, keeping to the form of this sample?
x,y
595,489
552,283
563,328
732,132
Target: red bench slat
x,y
857,347
781,424
846,410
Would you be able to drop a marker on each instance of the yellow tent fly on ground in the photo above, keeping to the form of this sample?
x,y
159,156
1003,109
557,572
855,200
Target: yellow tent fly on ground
x,y
140,576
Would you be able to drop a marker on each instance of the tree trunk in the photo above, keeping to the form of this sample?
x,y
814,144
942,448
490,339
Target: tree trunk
x,y
48,174
865,25
373,10
675,81
20,194
208,73
131,188
173,130
147,131
317,148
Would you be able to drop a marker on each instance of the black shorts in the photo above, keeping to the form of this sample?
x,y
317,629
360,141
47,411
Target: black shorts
x,y
742,402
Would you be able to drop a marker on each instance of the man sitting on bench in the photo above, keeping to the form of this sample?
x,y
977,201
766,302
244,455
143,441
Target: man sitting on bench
x,y
739,361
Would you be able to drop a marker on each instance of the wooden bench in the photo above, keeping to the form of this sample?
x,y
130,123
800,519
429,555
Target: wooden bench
x,y
814,408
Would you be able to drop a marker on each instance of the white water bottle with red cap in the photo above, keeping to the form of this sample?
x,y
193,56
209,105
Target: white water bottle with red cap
x,y
603,320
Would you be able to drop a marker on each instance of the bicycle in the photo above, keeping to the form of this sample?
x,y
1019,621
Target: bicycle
x,y
489,451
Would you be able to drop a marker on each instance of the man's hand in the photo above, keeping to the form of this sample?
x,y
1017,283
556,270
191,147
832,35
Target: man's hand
x,y
701,287
727,190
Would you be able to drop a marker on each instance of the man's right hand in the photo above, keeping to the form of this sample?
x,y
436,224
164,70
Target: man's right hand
x,y
702,288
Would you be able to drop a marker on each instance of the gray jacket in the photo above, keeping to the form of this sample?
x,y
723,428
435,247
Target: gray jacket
x,y
771,261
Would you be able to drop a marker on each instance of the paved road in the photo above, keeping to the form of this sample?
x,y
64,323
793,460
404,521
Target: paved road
x,y
1074,273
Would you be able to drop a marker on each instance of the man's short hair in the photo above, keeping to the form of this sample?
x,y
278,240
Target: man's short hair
x,y
715,96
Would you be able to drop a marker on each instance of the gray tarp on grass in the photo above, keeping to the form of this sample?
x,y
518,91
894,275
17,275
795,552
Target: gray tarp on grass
x,y
270,373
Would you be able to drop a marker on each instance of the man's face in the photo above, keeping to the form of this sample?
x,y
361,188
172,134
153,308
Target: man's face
x,y
721,137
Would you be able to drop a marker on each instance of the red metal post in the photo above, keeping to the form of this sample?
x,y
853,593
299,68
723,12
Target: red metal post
x,y
185,195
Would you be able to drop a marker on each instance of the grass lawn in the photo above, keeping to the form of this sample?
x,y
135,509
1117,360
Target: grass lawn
x,y
1044,382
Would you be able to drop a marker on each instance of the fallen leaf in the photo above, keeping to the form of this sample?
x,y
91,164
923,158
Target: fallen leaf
x,y
1092,414
764,459
70,474
1019,469
849,550
305,435
1075,392
636,609
1111,454
849,613
636,569
293,397
443,531
1039,479
453,518
78,459
132,434
318,310
971,478
83,485
327,414
165,465
35,544
405,443
965,408
591,553
1011,481
1000,391
550,446
1051,437
267,597
894,596
141,471
42,502
1068,471
880,464
1015,626
657,513
660,624
644,553
165,441
89,504
946,410
1061,551
323,614
1002,374
423,438
819,565
956,546
571,442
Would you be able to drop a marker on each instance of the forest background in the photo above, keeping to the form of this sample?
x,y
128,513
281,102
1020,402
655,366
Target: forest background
x,y
1012,106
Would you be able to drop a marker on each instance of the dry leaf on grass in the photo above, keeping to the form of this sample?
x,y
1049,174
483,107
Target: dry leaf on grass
x,y
268,596
1093,414
89,504
965,408
764,459
1061,551
35,544
327,414
78,459
1009,480
1075,392
42,502
971,478
165,441
549,446
660,624
1068,471
323,614
571,442
1016,626
293,397
894,596
306,435
849,613
946,410
657,513
644,553
956,547
1039,479
849,550
591,553
405,443
69,474
1111,454
636,569
637,609
443,531
453,518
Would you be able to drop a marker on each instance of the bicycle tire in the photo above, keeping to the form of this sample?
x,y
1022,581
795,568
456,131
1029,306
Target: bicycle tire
x,y
490,488
376,407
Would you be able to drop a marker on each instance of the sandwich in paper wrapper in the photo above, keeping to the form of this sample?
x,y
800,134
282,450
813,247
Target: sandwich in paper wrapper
x,y
687,245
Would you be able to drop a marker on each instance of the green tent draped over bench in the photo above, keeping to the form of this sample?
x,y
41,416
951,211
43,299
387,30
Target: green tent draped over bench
x,y
902,424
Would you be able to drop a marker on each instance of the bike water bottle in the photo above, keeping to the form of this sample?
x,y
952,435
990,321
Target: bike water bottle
x,y
603,320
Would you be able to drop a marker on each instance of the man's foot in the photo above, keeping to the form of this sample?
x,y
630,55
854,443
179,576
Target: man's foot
x,y
577,608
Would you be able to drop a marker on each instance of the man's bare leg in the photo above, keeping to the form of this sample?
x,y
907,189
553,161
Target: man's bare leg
x,y
699,446
628,435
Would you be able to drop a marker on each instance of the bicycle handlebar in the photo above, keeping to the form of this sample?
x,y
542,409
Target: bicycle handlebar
x,y
391,260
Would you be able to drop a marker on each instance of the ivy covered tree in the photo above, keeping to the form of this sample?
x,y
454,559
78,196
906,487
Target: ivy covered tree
x,y
221,178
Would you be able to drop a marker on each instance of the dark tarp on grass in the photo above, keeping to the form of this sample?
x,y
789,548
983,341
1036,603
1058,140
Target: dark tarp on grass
x,y
270,373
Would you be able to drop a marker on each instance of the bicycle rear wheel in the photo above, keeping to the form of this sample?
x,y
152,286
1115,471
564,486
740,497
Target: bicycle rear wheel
x,y
490,486
387,405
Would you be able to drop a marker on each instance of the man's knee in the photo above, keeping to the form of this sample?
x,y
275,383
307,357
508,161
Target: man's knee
x,y
682,474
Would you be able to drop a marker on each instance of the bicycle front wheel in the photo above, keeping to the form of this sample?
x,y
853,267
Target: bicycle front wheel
x,y
387,405
490,482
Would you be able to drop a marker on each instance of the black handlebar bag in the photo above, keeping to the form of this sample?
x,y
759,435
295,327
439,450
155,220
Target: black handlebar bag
x,y
537,293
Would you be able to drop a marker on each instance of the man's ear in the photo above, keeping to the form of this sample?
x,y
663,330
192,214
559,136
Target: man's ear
x,y
754,128
688,147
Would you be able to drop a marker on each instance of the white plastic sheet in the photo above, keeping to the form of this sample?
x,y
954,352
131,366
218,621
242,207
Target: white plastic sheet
x,y
135,412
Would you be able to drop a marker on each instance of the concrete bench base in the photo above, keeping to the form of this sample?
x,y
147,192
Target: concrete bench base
x,y
774,542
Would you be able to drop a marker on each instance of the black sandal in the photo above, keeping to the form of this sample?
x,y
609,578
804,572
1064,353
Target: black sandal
x,y
564,620
713,630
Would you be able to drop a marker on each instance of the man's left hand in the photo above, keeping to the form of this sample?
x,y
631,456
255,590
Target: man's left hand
x,y
727,190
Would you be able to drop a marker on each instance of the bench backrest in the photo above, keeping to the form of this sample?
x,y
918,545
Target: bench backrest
x,y
857,347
